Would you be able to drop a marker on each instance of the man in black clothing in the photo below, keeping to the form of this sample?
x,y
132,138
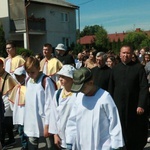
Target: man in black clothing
x,y
129,89
101,72
63,56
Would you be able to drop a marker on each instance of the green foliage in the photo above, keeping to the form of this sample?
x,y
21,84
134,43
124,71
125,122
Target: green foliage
x,y
23,51
136,39
77,48
77,34
90,30
2,43
145,43
101,40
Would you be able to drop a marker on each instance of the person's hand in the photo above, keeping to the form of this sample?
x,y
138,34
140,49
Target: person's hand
x,y
140,111
57,140
46,134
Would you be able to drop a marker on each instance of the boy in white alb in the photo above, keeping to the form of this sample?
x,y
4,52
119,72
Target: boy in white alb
x,y
17,97
94,121
63,101
7,83
37,103
13,61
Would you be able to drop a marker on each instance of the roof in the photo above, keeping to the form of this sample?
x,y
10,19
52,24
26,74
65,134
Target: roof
x,y
62,3
116,36
88,39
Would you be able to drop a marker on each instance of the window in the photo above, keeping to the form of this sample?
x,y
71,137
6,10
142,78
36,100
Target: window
x,y
66,41
64,17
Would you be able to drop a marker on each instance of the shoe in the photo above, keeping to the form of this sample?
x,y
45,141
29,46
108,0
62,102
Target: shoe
x,y
10,143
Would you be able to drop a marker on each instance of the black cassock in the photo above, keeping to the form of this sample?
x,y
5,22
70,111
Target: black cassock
x,y
101,76
128,86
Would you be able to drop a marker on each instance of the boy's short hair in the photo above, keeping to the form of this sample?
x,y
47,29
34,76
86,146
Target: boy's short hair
x,y
12,43
31,62
80,77
47,45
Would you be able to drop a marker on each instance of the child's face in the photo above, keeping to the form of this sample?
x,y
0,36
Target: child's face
x,y
33,72
20,78
87,88
65,80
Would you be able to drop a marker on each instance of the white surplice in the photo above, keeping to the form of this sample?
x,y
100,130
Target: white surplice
x,y
37,106
59,115
94,123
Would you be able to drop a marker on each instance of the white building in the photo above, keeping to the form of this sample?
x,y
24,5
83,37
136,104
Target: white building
x,y
32,23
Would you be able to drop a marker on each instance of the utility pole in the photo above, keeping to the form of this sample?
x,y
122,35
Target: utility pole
x,y
79,22
26,34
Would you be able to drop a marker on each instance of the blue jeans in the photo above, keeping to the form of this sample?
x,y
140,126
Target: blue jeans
x,y
24,138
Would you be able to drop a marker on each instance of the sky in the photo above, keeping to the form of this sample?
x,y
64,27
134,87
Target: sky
x,y
114,15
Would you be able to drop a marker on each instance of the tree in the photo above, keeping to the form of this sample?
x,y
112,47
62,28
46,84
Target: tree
x,y
77,48
101,40
145,43
21,50
135,39
77,34
89,30
2,42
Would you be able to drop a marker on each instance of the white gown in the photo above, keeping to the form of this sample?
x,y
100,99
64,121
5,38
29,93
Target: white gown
x,y
37,107
60,114
18,111
94,123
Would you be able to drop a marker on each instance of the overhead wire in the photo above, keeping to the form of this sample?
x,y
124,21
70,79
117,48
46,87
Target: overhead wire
x,y
86,2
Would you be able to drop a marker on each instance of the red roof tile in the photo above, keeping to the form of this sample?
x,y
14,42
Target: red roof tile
x,y
116,36
88,39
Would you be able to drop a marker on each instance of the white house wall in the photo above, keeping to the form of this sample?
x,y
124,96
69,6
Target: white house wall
x,y
56,30
59,29
4,17
3,10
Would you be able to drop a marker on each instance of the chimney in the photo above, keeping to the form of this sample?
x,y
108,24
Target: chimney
x,y
138,30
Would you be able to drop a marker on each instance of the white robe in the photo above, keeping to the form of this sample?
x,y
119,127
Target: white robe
x,y
37,107
8,106
18,111
94,123
60,114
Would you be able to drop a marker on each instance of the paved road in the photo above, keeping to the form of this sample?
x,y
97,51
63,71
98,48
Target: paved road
x,y
42,145
17,146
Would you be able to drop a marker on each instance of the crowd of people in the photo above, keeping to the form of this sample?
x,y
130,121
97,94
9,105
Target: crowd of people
x,y
97,101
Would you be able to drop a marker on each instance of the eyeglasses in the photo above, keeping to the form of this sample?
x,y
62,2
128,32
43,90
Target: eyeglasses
x,y
7,48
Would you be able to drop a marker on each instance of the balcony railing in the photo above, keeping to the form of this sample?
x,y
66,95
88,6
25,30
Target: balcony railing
x,y
38,24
